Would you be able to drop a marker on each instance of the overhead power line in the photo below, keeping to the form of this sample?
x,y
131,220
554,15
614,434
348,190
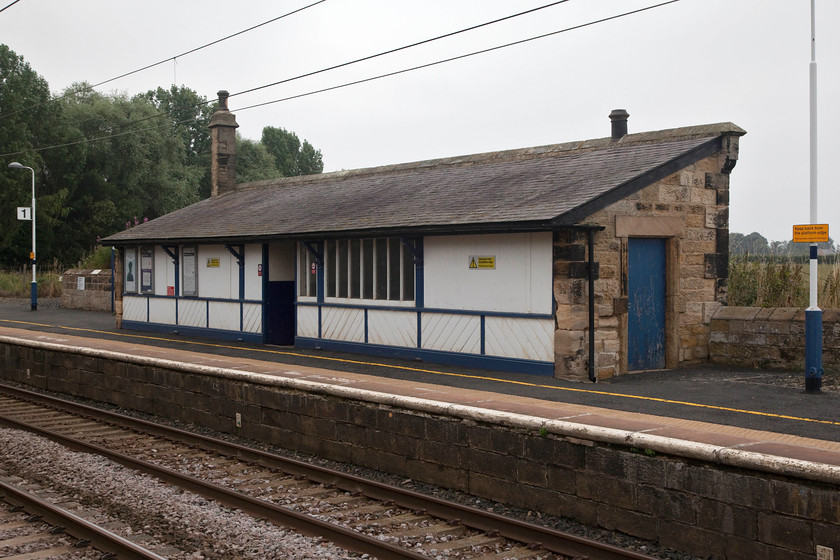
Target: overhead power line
x,y
342,65
164,61
357,82
453,58
398,49
4,8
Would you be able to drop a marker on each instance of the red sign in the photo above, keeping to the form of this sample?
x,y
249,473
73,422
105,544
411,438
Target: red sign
x,y
313,268
170,290
259,270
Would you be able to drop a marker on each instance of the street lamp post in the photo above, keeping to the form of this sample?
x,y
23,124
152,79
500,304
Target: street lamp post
x,y
34,287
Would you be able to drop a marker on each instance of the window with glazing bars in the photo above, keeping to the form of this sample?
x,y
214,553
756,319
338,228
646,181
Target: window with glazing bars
x,y
377,269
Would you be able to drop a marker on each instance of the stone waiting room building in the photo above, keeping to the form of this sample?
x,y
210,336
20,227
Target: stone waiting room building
x,y
580,260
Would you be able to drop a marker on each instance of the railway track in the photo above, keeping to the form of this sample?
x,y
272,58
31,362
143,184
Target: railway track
x,y
383,521
31,527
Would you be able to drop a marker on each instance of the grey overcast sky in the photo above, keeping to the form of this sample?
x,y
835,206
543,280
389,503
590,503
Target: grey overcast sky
x,y
690,62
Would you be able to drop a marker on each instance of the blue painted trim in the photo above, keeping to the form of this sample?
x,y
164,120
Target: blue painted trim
x,y
320,322
366,327
419,277
433,356
219,334
483,338
428,310
194,298
264,287
420,330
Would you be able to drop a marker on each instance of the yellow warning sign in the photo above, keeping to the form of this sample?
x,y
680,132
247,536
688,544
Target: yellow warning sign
x,y
485,262
810,233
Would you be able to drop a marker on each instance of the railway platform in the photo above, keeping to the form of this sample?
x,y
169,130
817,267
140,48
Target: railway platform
x,y
764,412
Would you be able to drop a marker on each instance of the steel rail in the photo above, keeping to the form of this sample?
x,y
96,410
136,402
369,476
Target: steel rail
x,y
101,539
513,529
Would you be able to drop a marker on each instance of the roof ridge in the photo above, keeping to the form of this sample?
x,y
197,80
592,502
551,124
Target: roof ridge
x,y
580,146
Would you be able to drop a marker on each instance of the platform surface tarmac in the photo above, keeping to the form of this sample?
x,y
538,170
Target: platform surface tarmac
x,y
761,411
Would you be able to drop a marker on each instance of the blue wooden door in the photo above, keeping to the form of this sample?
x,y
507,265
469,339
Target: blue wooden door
x,y
646,304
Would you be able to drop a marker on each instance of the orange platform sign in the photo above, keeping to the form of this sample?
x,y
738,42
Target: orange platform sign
x,y
810,233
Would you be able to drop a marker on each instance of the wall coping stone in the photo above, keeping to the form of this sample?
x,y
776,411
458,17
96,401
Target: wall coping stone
x,y
737,313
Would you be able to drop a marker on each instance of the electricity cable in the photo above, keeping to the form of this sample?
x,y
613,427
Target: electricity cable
x,y
356,82
398,49
451,59
171,58
3,9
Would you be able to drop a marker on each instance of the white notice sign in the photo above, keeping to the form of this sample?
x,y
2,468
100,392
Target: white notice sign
x,y
24,213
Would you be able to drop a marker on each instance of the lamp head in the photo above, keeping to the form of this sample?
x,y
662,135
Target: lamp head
x,y
16,165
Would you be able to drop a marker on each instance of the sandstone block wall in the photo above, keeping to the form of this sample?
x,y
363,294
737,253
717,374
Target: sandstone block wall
x,y
690,209
773,338
711,509
86,289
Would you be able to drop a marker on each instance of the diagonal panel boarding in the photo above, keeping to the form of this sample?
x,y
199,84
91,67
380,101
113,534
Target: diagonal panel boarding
x,y
343,324
513,337
135,308
307,321
392,328
252,317
192,313
451,332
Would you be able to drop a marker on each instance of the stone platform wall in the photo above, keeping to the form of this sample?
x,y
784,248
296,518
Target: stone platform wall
x,y
705,500
86,289
773,338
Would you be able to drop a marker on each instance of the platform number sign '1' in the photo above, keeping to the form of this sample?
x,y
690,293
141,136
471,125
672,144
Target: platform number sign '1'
x,y
24,213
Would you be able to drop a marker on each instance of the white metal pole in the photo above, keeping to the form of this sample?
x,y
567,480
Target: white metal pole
x,y
813,167
813,315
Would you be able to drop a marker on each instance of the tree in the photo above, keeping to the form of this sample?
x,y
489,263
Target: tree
x,y
134,169
27,120
291,158
253,162
190,114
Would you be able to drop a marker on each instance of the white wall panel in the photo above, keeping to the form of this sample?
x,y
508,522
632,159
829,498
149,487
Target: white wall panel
x,y
215,282
520,283
341,323
224,315
134,308
192,313
392,328
162,310
451,333
528,339
307,321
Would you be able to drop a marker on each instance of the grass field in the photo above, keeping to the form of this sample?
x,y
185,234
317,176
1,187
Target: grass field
x,y
781,283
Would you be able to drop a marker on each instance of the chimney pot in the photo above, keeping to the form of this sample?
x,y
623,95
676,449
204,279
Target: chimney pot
x,y
223,97
619,117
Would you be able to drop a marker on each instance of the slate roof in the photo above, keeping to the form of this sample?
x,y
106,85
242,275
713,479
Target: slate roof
x,y
518,190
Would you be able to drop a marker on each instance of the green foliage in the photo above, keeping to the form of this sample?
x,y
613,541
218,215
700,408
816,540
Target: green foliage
x,y
253,162
767,283
18,284
291,158
153,157
98,258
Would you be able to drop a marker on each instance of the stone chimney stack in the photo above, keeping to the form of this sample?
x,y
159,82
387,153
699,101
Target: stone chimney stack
x,y
222,148
619,123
